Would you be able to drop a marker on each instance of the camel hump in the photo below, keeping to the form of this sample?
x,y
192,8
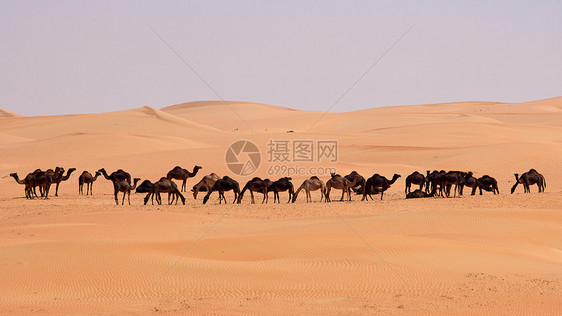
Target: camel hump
x,y
314,177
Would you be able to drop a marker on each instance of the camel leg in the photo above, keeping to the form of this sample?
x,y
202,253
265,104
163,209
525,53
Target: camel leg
x,y
289,197
183,185
264,194
57,190
124,195
252,196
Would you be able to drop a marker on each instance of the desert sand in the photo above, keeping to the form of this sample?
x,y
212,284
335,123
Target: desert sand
x,y
76,254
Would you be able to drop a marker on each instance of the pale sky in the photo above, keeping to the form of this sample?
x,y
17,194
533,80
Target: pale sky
x,y
65,57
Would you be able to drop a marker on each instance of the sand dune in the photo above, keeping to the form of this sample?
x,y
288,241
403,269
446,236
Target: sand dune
x,y
466,255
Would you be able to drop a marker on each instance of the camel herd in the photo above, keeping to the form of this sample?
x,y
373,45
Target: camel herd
x,y
432,184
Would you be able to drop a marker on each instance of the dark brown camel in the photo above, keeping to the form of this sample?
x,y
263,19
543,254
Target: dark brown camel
x,y
62,178
226,183
116,176
359,186
165,185
415,178
256,185
340,183
470,181
447,180
125,187
489,184
205,184
179,173
282,185
87,179
29,182
43,179
418,193
312,184
380,183
529,178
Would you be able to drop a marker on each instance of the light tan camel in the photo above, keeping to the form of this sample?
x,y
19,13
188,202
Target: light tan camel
x,y
340,183
205,184
312,184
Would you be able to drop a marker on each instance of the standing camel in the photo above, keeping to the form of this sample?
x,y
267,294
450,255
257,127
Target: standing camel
x,y
488,184
311,184
205,184
62,178
29,183
88,179
282,185
529,178
415,178
256,185
226,183
125,187
164,185
378,183
179,173
340,183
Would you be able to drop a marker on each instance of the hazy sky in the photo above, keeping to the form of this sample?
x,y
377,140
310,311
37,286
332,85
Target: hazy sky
x,y
62,57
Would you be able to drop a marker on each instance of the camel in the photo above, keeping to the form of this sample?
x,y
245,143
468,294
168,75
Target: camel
x,y
380,183
125,187
359,187
116,176
145,187
418,193
340,183
488,184
179,173
470,181
205,184
256,185
226,183
415,178
164,185
43,179
282,185
62,178
447,180
29,182
88,179
529,178
311,184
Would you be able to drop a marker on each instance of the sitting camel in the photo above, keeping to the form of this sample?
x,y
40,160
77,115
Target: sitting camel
x,y
226,183
256,185
415,178
418,193
125,187
378,182
205,184
282,185
312,184
340,183
88,179
529,178
179,173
